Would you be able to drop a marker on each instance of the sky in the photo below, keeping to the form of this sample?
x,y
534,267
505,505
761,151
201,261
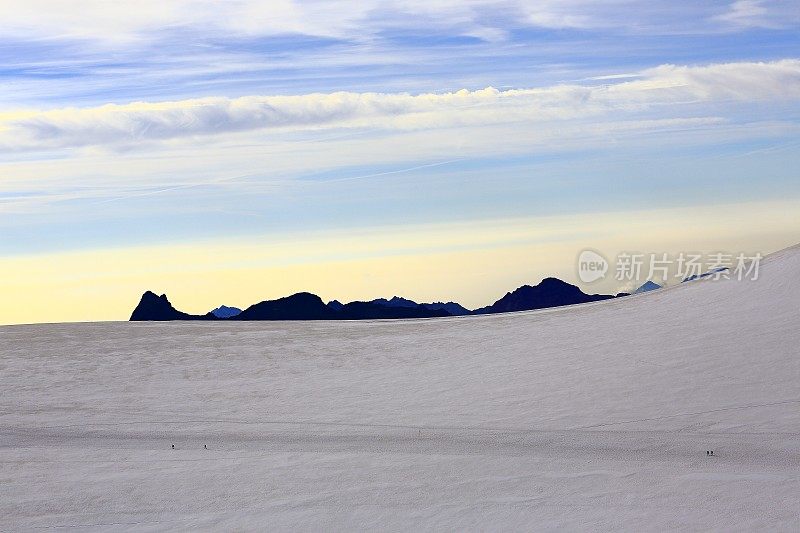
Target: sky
x,y
231,152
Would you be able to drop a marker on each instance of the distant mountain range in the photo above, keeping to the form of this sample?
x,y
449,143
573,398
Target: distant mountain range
x,y
452,308
223,311
551,292
647,287
154,307
704,275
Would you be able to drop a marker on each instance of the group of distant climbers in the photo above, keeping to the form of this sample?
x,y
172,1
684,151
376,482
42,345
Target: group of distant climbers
x,y
709,453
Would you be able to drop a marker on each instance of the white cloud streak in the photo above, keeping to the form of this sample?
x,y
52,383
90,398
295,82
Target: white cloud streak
x,y
761,14
120,22
142,123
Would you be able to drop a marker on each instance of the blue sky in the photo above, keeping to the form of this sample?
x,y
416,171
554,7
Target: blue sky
x,y
72,58
182,122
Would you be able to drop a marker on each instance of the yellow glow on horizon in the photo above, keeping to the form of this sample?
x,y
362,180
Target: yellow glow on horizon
x,y
474,263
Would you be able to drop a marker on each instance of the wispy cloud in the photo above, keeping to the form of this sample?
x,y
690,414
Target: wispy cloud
x,y
52,55
143,123
115,22
761,14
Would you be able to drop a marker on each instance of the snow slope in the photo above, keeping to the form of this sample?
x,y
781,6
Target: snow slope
x,y
555,419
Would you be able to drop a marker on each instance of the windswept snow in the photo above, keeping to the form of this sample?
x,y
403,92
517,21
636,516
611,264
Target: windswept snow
x,y
565,418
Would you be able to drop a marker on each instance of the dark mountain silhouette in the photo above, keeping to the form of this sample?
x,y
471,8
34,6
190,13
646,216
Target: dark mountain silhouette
x,y
307,306
551,292
223,311
396,301
704,275
372,310
154,307
647,287
452,308
300,306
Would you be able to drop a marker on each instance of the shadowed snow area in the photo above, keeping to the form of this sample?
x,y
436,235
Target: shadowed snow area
x,y
569,418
